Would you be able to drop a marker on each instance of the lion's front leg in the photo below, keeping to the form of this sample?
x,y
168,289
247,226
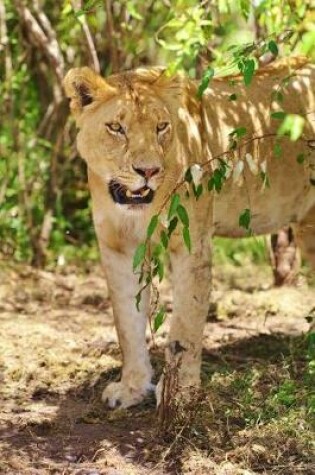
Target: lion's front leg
x,y
131,325
191,287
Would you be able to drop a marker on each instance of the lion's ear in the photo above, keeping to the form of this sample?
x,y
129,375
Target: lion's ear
x,y
83,87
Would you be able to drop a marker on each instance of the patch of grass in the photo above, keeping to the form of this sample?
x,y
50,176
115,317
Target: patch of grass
x,y
240,251
256,414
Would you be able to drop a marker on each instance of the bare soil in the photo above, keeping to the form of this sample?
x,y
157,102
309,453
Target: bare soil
x,y
58,349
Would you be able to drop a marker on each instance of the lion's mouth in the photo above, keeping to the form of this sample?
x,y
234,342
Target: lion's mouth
x,y
122,195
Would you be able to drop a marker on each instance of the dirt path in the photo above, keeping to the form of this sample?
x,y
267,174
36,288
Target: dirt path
x,y
58,349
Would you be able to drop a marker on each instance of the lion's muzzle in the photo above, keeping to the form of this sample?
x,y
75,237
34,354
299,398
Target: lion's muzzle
x,y
122,195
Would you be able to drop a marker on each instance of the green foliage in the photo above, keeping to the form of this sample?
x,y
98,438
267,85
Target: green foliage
x,y
174,205
183,215
247,68
300,158
245,219
278,115
152,226
204,83
240,251
218,177
239,132
273,47
292,126
286,393
186,237
42,181
159,319
185,33
277,150
139,256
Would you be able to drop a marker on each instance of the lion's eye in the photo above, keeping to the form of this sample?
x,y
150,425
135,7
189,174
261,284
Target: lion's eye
x,y
115,127
162,126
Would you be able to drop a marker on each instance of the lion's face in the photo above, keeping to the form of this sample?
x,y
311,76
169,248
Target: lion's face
x,y
125,141
126,135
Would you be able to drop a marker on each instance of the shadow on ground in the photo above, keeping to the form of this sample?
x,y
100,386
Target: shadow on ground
x,y
82,437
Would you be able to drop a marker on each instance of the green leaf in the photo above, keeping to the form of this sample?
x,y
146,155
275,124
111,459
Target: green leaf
x,y
164,239
159,319
152,226
273,48
79,13
248,71
158,250
233,97
223,167
131,8
172,226
278,115
239,132
139,255
198,191
292,126
217,180
87,7
211,184
277,96
188,175
158,268
277,150
245,8
245,219
206,78
138,300
183,215
300,158
173,206
186,237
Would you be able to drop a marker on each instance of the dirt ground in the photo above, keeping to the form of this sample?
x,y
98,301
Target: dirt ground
x,y
58,349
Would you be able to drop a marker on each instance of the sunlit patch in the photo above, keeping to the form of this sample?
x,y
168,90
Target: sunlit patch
x,y
124,196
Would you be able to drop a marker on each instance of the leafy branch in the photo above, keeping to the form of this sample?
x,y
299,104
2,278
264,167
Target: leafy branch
x,y
148,260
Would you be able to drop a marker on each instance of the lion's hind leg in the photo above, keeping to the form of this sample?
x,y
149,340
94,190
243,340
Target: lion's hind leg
x,y
305,234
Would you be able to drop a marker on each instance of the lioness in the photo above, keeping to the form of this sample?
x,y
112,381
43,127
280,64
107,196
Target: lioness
x,y
139,131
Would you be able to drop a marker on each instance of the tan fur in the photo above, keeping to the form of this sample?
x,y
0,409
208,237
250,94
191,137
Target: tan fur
x,y
198,133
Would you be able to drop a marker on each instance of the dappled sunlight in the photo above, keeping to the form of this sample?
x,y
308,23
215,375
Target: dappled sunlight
x,y
58,354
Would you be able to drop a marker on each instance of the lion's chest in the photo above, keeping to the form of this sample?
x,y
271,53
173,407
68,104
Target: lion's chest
x,y
118,227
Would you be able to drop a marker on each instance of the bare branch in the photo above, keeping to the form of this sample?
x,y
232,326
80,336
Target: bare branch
x,y
47,43
44,21
77,6
110,34
4,42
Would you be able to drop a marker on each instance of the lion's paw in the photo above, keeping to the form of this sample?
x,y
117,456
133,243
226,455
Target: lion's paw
x,y
122,395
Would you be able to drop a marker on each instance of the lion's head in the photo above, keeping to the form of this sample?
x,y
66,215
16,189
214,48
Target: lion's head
x,y
127,133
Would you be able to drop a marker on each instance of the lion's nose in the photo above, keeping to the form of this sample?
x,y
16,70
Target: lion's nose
x,y
147,172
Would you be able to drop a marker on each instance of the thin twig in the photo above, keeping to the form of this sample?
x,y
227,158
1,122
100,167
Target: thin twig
x,y
208,162
4,42
77,6
110,35
47,43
